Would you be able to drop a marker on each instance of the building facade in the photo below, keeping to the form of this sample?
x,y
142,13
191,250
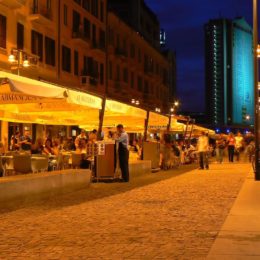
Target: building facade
x,y
135,69
229,72
79,44
139,17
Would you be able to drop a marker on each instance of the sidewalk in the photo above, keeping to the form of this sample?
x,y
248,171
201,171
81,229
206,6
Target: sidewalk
x,y
239,237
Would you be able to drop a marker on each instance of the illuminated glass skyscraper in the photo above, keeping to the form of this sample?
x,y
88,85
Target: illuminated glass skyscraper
x,y
229,72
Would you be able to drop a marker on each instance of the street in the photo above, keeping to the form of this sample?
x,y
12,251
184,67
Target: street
x,y
168,215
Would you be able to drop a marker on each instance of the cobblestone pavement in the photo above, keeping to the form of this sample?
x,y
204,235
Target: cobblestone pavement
x,y
168,215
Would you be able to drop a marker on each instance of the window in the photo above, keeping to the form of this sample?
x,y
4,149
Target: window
x,y
102,74
94,35
132,79
20,36
102,11
94,7
87,28
37,44
76,63
140,83
111,36
102,39
35,6
110,70
66,59
75,21
85,62
49,51
125,75
48,5
86,4
65,14
2,31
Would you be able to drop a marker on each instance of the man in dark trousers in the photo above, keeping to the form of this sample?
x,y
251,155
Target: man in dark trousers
x,y
123,152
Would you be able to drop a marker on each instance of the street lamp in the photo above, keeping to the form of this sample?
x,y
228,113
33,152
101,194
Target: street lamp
x,y
20,59
135,102
256,54
176,103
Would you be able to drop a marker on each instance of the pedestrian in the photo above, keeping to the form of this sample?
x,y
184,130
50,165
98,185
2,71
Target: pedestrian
x,y
239,145
123,153
203,149
231,141
220,147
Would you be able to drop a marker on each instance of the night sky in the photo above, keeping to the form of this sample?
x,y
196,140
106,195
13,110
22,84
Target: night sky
x,y
183,21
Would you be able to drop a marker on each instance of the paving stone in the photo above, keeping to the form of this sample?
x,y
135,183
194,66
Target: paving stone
x,y
169,215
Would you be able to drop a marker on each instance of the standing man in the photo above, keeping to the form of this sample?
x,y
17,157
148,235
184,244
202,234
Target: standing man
x,y
123,152
26,141
239,142
81,136
203,149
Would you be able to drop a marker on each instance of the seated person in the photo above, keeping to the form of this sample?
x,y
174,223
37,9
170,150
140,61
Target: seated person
x,y
37,148
48,147
56,146
82,146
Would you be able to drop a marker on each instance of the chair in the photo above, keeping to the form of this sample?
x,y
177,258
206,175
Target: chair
x,y
40,164
22,163
76,160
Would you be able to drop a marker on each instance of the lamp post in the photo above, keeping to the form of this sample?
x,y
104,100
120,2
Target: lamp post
x,y
257,132
20,59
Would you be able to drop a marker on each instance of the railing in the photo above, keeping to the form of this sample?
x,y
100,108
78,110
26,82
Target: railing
x,y
43,11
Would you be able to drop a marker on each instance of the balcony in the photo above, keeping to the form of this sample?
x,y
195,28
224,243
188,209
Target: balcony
x,y
41,15
121,53
80,37
100,46
14,4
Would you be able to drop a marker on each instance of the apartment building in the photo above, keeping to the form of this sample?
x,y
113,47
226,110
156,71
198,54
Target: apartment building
x,y
65,37
79,44
135,68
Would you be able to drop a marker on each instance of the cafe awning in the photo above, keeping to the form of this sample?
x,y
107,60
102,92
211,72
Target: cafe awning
x,y
157,121
34,101
118,113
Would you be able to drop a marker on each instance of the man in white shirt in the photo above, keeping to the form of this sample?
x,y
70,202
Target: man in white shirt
x,y
203,148
123,152
238,145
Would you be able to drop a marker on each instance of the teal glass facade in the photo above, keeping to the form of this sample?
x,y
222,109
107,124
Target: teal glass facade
x,y
243,74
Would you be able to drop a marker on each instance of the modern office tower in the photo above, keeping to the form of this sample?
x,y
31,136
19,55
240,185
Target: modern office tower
x,y
229,72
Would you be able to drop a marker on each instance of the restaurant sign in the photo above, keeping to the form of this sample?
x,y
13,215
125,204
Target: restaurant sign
x,y
18,98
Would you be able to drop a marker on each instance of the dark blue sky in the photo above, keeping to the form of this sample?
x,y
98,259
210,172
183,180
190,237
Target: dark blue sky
x,y
183,21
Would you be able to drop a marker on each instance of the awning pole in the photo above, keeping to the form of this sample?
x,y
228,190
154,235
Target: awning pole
x,y
146,122
101,118
169,124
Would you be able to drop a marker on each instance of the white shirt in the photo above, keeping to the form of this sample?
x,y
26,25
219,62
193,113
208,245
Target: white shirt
x,y
203,144
123,138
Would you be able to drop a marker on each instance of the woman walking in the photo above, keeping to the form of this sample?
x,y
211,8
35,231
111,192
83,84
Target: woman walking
x,y
220,147
231,141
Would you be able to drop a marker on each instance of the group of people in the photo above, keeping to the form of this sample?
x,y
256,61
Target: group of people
x,y
235,145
